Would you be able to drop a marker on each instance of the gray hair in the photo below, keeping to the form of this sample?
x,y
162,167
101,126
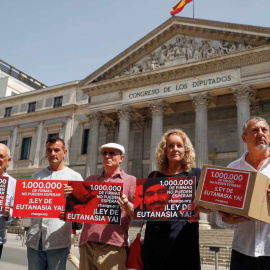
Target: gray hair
x,y
8,151
254,118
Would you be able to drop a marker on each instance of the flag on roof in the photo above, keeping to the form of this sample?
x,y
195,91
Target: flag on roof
x,y
179,7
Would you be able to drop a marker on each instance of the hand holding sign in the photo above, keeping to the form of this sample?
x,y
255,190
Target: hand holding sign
x,y
126,205
3,193
67,190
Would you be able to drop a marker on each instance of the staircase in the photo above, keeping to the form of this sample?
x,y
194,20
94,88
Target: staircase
x,y
216,240
209,239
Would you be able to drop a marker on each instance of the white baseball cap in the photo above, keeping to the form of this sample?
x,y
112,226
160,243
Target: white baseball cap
x,y
113,146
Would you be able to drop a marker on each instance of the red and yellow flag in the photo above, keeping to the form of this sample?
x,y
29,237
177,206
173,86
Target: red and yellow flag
x,y
179,7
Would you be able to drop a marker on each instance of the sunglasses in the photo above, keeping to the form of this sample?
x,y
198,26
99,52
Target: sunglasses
x,y
111,153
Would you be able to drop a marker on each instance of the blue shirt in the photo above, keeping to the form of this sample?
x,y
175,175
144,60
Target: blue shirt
x,y
10,201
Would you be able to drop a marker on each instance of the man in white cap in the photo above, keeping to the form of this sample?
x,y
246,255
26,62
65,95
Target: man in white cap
x,y
103,246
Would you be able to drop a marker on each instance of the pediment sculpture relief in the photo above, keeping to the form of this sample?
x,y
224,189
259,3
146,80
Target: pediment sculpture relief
x,y
181,50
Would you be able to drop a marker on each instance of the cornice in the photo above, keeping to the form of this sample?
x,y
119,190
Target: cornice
x,y
218,24
256,36
50,113
179,72
51,89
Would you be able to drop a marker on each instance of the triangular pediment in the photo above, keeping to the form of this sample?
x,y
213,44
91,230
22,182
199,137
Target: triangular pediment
x,y
183,49
180,41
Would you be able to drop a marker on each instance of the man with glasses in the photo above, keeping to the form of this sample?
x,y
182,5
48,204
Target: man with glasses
x,y
103,246
155,196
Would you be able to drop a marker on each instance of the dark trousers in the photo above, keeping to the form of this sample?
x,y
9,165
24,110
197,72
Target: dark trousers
x,y
240,261
1,248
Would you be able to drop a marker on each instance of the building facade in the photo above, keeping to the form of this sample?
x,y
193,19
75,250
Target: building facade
x,y
204,77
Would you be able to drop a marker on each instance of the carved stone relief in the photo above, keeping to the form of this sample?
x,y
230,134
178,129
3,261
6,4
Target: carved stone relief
x,y
183,49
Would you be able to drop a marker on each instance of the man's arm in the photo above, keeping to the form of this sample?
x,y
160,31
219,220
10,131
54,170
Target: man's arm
x,y
204,210
231,218
268,193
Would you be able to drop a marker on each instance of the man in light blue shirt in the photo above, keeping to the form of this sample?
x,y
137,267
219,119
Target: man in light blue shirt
x,y
5,218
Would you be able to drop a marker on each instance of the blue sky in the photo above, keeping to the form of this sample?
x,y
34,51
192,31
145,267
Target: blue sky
x,y
57,41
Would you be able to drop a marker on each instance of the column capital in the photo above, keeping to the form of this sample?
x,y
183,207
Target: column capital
x,y
95,117
110,126
125,112
138,122
242,92
201,100
157,107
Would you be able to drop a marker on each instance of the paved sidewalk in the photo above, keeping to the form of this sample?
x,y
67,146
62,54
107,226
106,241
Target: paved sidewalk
x,y
14,256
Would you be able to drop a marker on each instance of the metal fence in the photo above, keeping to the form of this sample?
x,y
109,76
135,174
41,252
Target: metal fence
x,y
216,255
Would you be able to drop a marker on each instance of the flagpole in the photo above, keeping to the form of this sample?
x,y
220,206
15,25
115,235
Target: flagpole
x,y
193,8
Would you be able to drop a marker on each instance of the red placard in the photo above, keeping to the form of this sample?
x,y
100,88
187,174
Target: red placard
x,y
3,192
94,202
225,187
165,198
39,198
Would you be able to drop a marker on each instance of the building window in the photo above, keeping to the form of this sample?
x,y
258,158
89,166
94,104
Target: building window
x,y
85,138
8,111
31,107
4,142
53,135
58,102
26,146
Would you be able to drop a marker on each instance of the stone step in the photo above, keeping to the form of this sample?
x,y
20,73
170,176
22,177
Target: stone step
x,y
208,238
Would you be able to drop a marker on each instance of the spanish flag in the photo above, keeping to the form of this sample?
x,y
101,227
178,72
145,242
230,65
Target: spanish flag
x,y
179,7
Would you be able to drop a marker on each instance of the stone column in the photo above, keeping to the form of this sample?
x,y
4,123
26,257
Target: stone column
x,y
201,102
124,113
69,125
254,107
38,144
242,94
13,146
92,150
137,165
110,130
157,107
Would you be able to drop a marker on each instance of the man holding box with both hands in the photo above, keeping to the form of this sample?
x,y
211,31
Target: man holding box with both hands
x,y
251,243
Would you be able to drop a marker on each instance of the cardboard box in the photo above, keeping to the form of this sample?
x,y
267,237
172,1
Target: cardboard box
x,y
234,191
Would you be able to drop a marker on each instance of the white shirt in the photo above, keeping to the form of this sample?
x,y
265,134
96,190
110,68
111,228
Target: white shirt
x,y
252,237
55,233
10,201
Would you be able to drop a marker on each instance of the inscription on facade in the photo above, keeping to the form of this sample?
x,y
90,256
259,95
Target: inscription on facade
x,y
182,87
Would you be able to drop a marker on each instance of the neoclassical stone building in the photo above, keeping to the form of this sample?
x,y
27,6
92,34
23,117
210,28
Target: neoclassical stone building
x,y
204,77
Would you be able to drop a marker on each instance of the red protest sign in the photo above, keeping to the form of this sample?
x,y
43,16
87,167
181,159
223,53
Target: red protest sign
x,y
39,198
3,192
225,187
165,198
94,202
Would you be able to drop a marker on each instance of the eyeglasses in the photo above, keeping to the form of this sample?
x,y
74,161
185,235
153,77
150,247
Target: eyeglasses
x,y
111,153
159,192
